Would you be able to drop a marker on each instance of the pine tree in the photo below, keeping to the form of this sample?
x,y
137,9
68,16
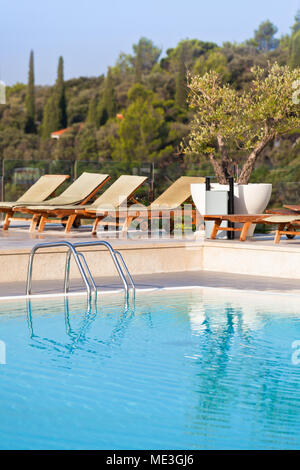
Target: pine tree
x,y
55,112
146,55
181,89
30,126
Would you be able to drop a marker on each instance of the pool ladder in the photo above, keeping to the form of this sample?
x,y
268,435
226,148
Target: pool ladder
x,y
82,265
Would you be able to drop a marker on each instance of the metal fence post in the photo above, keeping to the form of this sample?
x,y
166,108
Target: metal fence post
x,y
151,183
230,235
3,180
75,169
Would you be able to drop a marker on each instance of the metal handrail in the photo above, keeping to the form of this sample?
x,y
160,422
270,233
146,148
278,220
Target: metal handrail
x,y
113,254
126,269
71,250
80,261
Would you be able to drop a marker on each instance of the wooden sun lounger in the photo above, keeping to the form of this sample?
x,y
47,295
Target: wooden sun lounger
x,y
245,219
79,192
165,206
112,200
117,194
286,224
41,190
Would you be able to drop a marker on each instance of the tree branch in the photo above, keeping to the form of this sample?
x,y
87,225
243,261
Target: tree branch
x,y
219,171
249,164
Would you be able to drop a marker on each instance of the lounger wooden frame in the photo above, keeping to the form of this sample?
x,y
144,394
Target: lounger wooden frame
x,y
287,224
124,218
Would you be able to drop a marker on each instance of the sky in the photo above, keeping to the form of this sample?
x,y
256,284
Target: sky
x,y
90,34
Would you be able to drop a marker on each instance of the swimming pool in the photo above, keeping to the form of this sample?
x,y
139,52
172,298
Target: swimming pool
x,y
192,369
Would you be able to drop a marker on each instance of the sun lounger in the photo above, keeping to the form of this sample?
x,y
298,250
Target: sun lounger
x,y
80,192
164,206
116,195
41,190
286,225
245,219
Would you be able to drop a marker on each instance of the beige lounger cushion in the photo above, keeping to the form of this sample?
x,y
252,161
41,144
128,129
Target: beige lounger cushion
x,y
177,193
39,191
75,193
113,197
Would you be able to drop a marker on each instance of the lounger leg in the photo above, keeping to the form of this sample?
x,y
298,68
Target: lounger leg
x,y
126,224
69,223
215,229
42,224
34,221
244,231
96,223
6,223
278,233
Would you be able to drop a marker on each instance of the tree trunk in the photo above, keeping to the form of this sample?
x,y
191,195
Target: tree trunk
x,y
218,169
249,164
226,161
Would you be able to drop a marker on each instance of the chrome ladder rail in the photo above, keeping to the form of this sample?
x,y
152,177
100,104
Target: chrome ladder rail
x,y
113,254
80,261
71,249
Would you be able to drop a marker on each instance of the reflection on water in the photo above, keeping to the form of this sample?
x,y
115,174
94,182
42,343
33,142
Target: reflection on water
x,y
78,335
195,369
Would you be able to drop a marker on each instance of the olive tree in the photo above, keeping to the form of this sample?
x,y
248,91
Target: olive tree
x,y
232,127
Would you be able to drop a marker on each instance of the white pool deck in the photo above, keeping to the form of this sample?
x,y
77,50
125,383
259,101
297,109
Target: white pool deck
x,y
156,262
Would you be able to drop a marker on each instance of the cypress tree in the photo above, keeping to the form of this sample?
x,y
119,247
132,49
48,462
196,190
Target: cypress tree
x,y
181,90
92,115
61,95
107,106
30,126
55,111
138,66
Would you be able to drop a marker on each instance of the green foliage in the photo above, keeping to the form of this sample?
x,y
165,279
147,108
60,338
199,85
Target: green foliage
x,y
296,26
216,61
92,116
226,121
181,89
294,51
193,48
264,36
86,144
107,105
146,55
141,133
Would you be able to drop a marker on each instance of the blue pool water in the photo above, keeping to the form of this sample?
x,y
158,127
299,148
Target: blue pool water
x,y
198,369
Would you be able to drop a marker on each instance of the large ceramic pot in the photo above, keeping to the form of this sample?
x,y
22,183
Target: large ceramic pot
x,y
251,198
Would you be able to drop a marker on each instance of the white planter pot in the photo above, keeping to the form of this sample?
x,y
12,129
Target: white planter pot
x,y
251,198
